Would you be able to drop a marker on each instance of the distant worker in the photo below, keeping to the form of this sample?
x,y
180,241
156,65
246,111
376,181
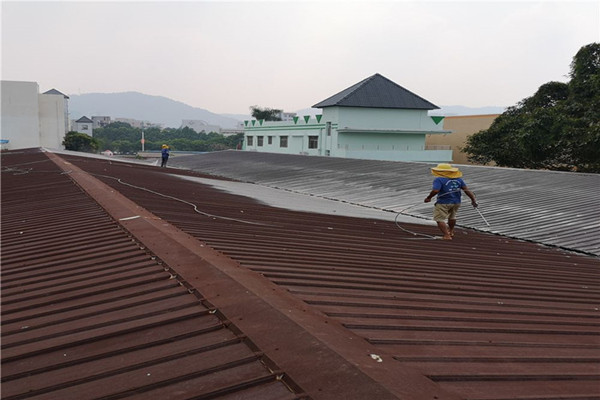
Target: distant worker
x,y
165,155
447,186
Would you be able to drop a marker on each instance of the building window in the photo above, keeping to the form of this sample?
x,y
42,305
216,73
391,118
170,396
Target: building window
x,y
270,139
250,140
313,142
259,140
283,141
84,127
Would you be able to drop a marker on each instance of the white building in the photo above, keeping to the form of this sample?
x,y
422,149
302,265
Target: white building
x,y
136,123
84,125
374,119
200,126
287,116
32,119
100,121
66,101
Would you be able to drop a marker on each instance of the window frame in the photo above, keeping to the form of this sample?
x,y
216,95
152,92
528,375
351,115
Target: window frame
x,y
283,142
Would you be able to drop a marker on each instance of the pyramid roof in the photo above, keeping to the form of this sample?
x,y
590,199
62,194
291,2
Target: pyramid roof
x,y
377,91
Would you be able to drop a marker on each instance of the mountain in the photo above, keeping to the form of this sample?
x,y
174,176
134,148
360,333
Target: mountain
x,y
143,107
169,112
444,110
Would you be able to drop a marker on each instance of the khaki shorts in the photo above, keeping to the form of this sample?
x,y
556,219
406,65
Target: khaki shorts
x,y
442,212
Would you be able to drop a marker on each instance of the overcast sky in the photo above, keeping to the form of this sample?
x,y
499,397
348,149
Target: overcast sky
x,y
227,56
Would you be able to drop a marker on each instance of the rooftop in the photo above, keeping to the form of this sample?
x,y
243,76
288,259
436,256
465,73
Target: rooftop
x,y
377,91
123,280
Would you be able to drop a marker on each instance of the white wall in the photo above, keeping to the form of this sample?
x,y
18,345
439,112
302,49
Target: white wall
x,y
52,120
385,119
20,114
86,128
30,119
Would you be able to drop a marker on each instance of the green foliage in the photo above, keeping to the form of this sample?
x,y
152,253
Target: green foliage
x,y
267,114
124,138
80,142
558,128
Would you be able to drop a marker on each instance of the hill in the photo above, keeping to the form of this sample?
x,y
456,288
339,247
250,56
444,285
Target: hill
x,y
444,110
143,107
169,112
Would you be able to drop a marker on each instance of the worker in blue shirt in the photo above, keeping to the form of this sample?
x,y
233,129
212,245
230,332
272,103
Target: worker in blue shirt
x,y
165,155
447,186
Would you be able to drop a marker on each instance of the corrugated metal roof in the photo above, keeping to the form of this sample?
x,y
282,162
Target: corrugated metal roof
x,y
377,91
483,316
548,207
88,312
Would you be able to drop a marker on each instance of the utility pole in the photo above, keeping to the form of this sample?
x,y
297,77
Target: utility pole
x,y
143,140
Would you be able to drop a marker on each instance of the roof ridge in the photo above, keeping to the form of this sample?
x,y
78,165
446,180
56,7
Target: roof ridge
x,y
377,91
357,86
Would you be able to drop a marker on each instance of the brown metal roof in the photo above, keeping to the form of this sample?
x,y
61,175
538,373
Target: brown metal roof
x,y
482,317
88,312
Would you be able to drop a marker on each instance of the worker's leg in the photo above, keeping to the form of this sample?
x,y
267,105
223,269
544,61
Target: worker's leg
x,y
444,228
440,214
451,224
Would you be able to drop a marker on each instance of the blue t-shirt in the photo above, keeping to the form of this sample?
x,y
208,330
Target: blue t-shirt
x,y
165,153
450,190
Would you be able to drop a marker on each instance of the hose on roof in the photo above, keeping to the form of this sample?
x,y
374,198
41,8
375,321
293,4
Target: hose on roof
x,y
195,207
22,171
424,235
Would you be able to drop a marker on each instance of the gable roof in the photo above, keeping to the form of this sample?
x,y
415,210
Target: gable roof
x,y
54,91
377,91
84,119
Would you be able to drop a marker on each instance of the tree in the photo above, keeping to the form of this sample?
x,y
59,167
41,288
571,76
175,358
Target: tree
x,y
122,137
267,114
80,142
557,128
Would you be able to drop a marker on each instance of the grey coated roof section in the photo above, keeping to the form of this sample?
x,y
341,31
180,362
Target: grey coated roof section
x,y
552,208
377,91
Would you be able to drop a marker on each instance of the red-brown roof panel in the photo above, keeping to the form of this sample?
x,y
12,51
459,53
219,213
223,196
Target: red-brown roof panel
x,y
88,312
483,316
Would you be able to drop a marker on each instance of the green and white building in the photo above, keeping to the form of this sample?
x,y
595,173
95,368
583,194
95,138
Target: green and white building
x,y
375,119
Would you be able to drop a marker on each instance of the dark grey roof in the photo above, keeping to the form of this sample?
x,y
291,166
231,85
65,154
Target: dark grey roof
x,y
377,92
54,91
548,207
84,119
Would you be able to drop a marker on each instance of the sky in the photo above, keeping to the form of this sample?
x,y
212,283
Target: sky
x,y
225,56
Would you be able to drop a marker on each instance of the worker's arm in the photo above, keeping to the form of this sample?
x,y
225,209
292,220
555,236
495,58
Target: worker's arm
x,y
471,196
431,195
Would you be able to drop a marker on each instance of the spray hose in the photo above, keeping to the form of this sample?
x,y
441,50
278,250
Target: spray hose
x,y
424,235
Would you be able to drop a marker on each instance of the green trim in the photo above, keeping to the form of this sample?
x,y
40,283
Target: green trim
x,y
295,120
437,120
261,121
289,128
318,117
253,122
306,118
246,123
